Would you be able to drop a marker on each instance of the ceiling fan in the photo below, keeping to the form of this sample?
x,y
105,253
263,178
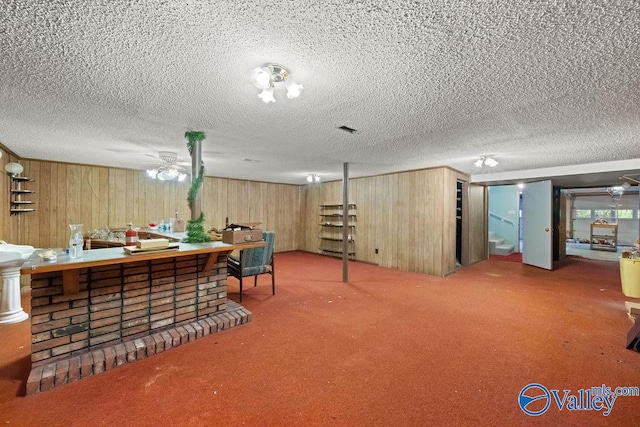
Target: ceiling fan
x,y
169,169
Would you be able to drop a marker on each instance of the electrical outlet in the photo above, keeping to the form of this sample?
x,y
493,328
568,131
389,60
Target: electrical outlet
x,y
376,250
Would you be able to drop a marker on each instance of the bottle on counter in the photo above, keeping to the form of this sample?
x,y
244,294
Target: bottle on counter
x,y
76,240
131,235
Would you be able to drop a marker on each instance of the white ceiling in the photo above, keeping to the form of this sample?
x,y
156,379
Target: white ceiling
x,y
541,85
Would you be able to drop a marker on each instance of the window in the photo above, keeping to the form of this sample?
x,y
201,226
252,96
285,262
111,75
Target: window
x,y
605,213
625,213
583,213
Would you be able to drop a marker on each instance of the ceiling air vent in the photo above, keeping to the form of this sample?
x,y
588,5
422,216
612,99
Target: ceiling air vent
x,y
348,129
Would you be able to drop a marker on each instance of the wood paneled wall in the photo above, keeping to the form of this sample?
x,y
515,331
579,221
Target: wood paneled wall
x,y
99,196
9,231
409,217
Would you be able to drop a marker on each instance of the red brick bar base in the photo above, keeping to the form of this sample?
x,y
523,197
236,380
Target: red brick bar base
x,y
45,377
122,312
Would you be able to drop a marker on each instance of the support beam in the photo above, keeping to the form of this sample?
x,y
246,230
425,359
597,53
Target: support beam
x,y
196,162
345,223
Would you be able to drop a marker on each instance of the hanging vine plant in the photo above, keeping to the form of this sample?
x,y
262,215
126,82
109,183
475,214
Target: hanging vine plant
x,y
195,227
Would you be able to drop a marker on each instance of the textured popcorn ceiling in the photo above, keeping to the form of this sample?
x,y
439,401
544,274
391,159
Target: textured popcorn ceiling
x,y
548,87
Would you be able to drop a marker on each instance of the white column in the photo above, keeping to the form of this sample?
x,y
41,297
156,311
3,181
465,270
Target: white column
x,y
10,307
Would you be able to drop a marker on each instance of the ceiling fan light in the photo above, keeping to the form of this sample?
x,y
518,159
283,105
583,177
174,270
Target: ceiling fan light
x,y
479,162
153,173
261,77
167,174
182,177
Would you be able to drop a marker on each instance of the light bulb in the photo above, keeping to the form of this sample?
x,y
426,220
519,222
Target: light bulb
x,y
491,162
182,177
267,95
167,174
478,163
293,89
309,178
261,77
13,168
152,173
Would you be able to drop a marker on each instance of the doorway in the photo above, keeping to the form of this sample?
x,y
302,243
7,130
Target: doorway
x,y
520,220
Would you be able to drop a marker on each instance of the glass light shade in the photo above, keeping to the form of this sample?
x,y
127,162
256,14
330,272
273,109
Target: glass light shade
x,y
491,162
182,177
478,163
152,173
625,186
267,95
167,174
309,178
261,77
13,168
293,89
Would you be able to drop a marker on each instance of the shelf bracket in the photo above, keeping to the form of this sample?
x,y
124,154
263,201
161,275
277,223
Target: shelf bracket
x,y
212,260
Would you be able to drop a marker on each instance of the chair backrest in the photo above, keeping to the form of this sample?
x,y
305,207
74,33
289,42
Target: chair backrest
x,y
255,257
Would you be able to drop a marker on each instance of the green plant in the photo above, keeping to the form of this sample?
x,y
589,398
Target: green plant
x,y
195,227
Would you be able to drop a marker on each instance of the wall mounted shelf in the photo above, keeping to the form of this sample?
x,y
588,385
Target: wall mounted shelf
x,y
331,226
16,193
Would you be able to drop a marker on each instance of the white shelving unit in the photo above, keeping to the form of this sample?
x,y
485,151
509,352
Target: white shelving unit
x,y
604,237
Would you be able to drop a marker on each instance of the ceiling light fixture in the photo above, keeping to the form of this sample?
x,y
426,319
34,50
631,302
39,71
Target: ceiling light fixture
x,y
312,177
486,161
615,192
169,170
268,75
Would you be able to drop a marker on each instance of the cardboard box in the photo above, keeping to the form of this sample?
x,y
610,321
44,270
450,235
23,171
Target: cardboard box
x,y
241,236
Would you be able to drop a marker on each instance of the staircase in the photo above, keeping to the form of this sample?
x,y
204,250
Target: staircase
x,y
497,246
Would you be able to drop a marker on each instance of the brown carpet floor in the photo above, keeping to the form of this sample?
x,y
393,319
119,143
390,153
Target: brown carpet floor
x,y
390,348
